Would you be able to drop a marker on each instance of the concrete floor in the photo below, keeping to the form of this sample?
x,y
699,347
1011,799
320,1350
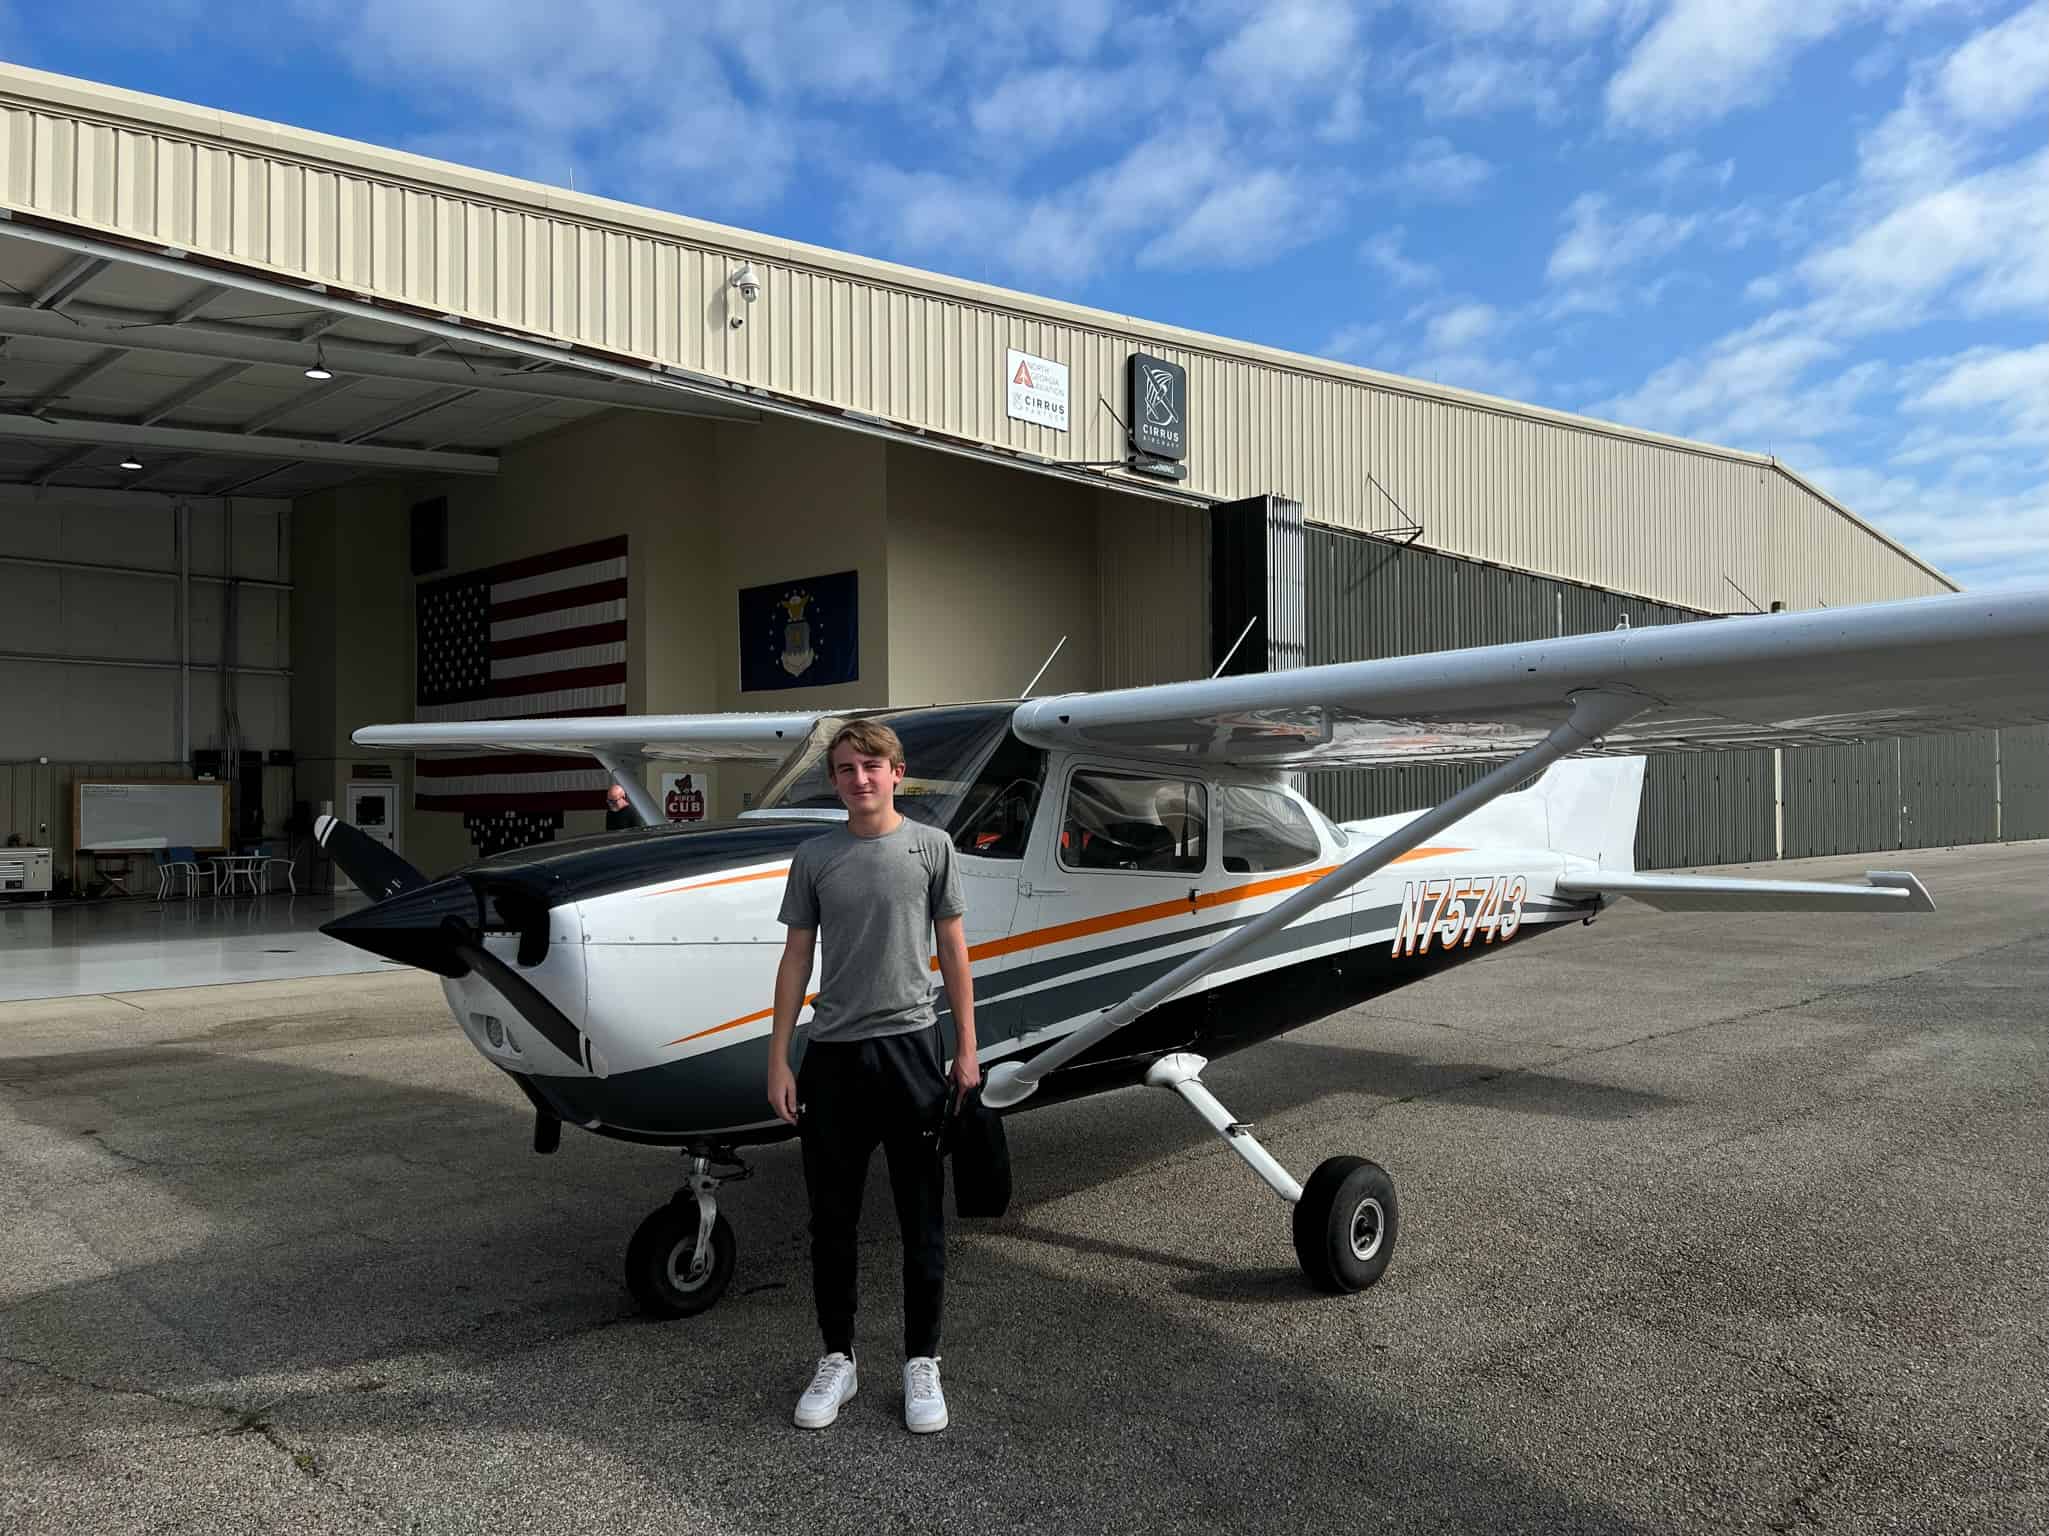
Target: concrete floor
x,y
75,948
1717,1225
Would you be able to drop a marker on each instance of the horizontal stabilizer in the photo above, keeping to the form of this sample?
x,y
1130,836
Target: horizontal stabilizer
x,y
1887,892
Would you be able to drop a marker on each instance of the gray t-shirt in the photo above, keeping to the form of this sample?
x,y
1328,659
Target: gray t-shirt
x,y
873,901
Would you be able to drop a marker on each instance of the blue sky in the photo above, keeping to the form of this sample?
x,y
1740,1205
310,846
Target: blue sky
x,y
1815,228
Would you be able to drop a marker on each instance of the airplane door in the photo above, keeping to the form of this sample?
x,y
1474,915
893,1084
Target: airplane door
x,y
372,808
1110,882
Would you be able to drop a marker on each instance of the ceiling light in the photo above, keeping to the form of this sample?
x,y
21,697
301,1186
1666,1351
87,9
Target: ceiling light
x,y
319,369
131,462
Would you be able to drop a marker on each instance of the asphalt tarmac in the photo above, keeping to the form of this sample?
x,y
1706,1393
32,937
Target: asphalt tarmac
x,y
1706,1225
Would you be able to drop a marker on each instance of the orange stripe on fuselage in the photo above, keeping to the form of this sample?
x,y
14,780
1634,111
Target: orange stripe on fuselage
x,y
745,1018
705,885
1158,911
1060,933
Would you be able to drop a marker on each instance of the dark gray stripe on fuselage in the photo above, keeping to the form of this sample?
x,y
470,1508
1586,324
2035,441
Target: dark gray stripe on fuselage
x,y
1003,983
727,1087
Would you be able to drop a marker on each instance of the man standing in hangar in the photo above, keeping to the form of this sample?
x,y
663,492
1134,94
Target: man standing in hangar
x,y
884,892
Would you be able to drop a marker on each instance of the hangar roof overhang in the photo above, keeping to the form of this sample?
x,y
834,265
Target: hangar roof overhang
x,y
197,368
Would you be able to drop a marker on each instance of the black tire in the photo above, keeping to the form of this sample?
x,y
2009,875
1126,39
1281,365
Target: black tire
x,y
1345,1224
658,1263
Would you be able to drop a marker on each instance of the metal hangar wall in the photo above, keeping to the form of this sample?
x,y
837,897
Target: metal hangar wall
x,y
892,485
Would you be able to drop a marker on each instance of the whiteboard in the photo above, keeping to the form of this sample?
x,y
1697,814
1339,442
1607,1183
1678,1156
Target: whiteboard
x,y
164,813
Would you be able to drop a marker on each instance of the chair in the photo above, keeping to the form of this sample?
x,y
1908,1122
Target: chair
x,y
291,868
176,864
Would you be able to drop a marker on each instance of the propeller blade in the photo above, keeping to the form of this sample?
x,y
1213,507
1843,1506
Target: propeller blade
x,y
378,872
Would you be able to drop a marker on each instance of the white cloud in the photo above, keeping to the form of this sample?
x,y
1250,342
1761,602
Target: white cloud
x,y
1682,166
1980,533
2007,383
1984,240
1289,53
1478,82
1384,253
1555,21
1751,389
1244,221
1461,327
1434,170
1703,58
1030,112
1998,75
1354,343
1948,454
1216,211
1594,244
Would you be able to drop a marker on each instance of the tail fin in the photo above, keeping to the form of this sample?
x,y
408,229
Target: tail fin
x,y
1590,808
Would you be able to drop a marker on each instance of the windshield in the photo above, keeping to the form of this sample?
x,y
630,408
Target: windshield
x,y
943,751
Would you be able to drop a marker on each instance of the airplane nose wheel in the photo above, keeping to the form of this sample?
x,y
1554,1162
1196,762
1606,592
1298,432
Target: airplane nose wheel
x,y
680,1260
1345,1224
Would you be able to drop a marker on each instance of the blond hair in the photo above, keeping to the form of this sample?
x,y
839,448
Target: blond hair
x,y
870,738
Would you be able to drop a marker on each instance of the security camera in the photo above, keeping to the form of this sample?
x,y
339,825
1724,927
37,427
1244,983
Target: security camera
x,y
747,282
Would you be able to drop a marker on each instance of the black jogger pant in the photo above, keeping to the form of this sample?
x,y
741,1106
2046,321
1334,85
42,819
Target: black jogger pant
x,y
851,1095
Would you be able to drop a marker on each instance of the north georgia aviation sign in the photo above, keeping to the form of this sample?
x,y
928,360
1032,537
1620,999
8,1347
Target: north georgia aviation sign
x,y
1037,390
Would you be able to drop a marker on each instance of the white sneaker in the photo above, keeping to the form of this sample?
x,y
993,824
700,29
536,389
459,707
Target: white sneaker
x,y
924,1403
833,1384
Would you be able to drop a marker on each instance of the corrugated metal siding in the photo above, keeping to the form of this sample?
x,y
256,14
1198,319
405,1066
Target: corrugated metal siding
x,y
1287,639
1152,572
1368,599
1706,808
1486,479
1842,799
2024,783
1947,789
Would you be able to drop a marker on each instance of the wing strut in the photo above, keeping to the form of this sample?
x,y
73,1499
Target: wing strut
x,y
1593,715
637,796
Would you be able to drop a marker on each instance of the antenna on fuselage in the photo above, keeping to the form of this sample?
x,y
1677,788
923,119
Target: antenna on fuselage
x,y
1028,687
1233,651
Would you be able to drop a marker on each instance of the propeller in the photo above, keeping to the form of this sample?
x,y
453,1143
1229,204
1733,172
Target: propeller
x,y
378,872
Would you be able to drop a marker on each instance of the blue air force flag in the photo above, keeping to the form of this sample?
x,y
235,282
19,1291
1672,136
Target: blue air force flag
x,y
800,634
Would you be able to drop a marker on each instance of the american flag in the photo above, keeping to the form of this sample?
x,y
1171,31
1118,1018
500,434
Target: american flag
x,y
527,640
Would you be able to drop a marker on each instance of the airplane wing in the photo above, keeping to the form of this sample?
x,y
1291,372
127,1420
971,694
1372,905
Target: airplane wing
x,y
762,738
1951,663
1887,892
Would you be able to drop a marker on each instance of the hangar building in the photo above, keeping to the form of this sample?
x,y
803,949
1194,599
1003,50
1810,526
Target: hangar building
x,y
298,434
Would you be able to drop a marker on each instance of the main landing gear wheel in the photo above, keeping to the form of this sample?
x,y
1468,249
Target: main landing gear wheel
x,y
665,1272
1345,1224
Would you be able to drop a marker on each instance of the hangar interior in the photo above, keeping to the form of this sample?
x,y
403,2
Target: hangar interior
x,y
274,407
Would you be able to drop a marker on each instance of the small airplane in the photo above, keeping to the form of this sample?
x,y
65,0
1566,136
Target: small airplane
x,y
1147,890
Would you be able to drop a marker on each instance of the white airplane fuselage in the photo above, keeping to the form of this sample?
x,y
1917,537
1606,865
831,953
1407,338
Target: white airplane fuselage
x,y
661,947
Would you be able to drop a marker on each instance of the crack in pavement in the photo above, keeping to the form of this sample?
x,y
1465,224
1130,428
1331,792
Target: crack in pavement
x,y
304,1458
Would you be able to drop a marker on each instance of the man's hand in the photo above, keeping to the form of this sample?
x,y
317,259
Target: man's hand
x,y
967,1073
782,1090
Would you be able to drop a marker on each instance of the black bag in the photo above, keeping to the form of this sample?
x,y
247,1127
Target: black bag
x,y
972,1134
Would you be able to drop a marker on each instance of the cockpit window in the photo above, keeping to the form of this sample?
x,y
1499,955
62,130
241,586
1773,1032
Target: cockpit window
x,y
944,752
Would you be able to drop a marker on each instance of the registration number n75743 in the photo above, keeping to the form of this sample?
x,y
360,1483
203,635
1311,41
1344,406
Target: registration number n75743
x,y
1449,912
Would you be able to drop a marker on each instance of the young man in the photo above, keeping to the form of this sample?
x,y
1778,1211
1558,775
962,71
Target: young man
x,y
881,889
